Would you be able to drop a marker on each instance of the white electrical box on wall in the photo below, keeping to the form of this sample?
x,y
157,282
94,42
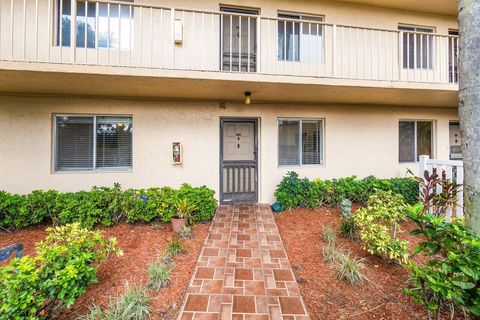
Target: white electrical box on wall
x,y
178,31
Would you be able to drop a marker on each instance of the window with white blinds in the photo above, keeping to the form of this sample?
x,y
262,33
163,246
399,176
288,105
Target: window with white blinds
x,y
93,142
300,142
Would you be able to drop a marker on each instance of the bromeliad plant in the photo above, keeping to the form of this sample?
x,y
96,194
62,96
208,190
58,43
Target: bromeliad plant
x,y
378,226
66,263
452,273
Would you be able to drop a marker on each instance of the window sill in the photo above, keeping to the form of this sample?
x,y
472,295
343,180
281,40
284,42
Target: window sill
x,y
306,166
111,170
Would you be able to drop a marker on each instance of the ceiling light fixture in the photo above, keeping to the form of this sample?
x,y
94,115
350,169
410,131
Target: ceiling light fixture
x,y
248,94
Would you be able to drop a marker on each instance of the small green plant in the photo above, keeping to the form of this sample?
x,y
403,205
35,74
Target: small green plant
x,y
186,232
452,272
185,211
175,246
131,305
331,253
159,274
329,235
378,226
348,228
350,268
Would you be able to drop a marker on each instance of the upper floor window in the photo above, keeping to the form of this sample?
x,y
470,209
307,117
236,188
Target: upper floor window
x,y
112,29
92,142
415,139
302,40
300,142
453,55
418,47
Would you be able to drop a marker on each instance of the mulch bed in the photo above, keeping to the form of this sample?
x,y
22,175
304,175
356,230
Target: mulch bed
x,y
142,245
325,295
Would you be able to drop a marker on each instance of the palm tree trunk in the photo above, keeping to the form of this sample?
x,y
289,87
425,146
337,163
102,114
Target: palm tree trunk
x,y
469,106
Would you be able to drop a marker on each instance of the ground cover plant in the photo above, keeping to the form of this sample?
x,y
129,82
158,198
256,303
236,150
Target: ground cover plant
x,y
103,206
294,192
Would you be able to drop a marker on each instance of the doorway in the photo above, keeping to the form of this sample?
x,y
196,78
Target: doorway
x,y
238,161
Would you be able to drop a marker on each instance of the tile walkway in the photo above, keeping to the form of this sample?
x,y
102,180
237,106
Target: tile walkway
x,y
243,272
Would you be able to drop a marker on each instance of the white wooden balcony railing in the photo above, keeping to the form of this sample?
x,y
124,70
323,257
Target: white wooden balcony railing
x,y
127,34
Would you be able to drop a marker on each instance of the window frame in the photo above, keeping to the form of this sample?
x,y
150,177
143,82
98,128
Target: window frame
x,y
94,168
57,25
430,61
433,140
301,18
300,145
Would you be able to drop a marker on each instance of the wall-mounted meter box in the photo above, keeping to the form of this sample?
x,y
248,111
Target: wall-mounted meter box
x,y
178,31
177,153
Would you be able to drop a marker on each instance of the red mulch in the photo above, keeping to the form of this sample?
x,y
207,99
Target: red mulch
x,y
142,245
325,295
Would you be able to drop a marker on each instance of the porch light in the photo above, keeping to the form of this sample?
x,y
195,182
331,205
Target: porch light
x,y
248,94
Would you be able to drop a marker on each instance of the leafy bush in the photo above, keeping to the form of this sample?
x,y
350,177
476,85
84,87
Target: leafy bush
x,y
102,206
202,198
452,273
65,264
293,192
175,246
186,232
378,225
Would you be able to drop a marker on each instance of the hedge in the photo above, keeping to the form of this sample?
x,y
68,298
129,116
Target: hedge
x,y
293,192
102,206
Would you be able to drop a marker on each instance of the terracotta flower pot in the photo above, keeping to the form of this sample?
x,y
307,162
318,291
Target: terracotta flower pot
x,y
178,224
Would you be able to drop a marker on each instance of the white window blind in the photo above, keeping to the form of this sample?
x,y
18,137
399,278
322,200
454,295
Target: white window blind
x,y
300,142
92,142
415,139
74,143
114,142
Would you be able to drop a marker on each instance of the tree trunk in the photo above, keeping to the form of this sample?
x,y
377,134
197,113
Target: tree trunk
x,y
469,106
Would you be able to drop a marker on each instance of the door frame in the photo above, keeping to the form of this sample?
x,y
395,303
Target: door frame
x,y
255,142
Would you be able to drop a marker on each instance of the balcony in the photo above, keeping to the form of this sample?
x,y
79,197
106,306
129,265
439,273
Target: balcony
x,y
164,48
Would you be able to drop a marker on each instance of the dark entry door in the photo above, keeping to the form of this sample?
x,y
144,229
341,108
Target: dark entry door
x,y
238,161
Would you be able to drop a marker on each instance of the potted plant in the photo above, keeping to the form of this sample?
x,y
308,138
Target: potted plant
x,y
184,215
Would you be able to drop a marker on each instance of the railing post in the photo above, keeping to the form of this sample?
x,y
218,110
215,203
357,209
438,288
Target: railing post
x,y
172,26
258,47
422,165
334,45
73,29
400,55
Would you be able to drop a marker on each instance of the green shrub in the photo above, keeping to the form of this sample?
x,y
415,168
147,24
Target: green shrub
x,y
186,232
452,273
331,253
293,192
102,206
65,264
378,225
202,198
13,211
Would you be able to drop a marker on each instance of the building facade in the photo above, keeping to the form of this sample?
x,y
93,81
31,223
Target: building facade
x,y
230,95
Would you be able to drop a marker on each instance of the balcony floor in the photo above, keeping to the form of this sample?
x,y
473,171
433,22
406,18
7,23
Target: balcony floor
x,y
145,83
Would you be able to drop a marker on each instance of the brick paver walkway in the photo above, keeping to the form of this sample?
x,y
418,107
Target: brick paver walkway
x,y
243,272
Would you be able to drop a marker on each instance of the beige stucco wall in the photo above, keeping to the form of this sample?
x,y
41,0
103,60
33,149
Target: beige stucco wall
x,y
359,140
